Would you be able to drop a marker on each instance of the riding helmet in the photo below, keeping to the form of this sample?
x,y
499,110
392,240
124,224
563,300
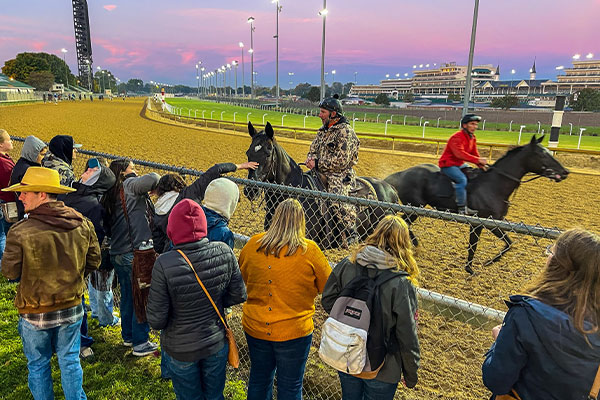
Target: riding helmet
x,y
469,118
332,104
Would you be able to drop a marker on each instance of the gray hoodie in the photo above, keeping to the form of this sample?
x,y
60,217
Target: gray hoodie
x,y
31,148
399,308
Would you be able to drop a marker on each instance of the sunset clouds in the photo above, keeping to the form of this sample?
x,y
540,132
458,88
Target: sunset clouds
x,y
163,42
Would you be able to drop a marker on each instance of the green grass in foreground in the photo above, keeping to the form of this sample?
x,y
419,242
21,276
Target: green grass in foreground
x,y
294,120
112,373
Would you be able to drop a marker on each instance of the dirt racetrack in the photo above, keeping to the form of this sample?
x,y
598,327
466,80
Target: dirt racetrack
x,y
450,368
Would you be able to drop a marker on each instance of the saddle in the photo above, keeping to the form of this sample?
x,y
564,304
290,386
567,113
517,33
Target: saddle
x,y
362,188
444,187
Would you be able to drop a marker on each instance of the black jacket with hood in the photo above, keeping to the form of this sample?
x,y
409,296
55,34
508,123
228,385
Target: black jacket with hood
x,y
86,199
399,307
191,328
139,210
194,192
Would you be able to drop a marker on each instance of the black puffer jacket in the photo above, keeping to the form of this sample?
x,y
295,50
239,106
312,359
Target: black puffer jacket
x,y
191,329
86,199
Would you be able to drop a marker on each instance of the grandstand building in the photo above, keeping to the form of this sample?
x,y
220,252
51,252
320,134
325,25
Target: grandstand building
x,y
450,79
584,74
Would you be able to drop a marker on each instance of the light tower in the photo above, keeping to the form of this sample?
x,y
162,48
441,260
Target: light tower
x,y
83,42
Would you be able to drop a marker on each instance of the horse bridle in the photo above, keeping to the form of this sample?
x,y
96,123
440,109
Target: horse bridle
x,y
515,179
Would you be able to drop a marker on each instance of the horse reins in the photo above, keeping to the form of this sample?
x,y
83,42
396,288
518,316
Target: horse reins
x,y
514,179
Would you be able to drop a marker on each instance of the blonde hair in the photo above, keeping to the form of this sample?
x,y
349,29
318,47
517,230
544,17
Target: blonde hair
x,y
288,228
392,236
4,136
571,279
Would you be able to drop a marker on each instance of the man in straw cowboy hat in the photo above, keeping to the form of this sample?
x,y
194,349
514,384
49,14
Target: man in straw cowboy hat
x,y
49,253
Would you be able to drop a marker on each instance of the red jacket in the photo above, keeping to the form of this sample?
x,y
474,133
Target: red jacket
x,y
461,147
6,167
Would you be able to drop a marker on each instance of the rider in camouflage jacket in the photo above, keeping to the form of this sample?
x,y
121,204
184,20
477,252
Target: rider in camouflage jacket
x,y
334,152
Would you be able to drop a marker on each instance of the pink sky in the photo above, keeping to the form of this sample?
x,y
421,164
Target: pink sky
x,y
163,42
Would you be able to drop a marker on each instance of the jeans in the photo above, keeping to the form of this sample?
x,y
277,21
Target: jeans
x,y
101,302
460,184
131,330
354,388
4,227
198,380
287,358
38,346
86,341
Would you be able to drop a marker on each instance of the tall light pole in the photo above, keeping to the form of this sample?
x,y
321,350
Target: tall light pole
x,y
99,69
64,51
197,76
356,73
470,65
241,44
203,83
323,14
235,64
277,11
290,74
229,79
332,78
251,51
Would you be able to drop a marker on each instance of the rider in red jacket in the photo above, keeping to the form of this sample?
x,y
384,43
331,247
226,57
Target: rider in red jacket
x,y
461,148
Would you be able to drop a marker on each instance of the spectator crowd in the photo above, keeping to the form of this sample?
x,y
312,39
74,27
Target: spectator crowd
x,y
169,247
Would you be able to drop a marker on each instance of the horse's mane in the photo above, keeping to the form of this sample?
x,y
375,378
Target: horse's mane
x,y
510,152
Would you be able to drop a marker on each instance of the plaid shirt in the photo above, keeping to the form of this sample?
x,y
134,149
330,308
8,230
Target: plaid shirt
x,y
53,319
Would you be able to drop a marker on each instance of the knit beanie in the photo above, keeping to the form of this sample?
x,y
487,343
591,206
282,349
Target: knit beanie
x,y
222,196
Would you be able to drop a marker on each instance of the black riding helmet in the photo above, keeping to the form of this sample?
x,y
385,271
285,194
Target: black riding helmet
x,y
332,104
469,118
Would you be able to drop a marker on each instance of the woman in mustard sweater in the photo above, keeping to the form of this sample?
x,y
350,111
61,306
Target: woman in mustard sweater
x,y
283,272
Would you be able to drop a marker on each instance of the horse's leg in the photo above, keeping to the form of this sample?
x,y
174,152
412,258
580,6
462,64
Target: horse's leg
x,y
507,245
474,236
409,219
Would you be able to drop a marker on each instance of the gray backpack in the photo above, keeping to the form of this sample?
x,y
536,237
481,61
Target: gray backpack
x,y
352,338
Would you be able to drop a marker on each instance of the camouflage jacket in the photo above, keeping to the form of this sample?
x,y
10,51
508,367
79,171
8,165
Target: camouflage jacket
x,y
67,177
335,149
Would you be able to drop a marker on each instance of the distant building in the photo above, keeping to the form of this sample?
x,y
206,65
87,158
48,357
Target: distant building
x,y
450,79
12,90
583,75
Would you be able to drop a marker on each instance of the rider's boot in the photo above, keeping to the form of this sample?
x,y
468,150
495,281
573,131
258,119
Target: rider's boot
x,y
466,210
349,237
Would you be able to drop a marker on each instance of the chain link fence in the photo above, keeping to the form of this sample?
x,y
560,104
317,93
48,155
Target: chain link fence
x,y
457,309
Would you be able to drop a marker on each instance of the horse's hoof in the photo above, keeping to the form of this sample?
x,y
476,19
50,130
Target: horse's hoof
x,y
469,269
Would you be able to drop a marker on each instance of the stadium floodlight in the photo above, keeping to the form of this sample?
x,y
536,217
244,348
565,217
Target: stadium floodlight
x,y
576,56
323,12
589,56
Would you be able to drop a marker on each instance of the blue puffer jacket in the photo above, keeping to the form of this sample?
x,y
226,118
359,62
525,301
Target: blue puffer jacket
x,y
540,354
218,231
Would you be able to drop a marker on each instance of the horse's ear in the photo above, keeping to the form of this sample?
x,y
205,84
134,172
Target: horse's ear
x,y
269,131
533,140
540,139
251,129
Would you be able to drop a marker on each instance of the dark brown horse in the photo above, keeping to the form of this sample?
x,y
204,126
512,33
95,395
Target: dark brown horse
x,y
488,193
276,166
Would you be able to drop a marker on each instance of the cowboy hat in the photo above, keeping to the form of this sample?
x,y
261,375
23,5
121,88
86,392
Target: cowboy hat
x,y
40,179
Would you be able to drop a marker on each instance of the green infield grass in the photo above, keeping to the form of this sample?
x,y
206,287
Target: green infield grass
x,y
226,112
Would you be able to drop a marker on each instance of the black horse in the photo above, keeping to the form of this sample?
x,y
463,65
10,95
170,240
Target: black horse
x,y
488,192
276,166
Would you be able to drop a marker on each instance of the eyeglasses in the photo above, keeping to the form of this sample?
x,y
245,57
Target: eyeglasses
x,y
549,251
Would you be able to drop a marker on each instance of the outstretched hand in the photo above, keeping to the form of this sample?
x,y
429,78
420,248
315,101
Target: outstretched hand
x,y
247,165
310,163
